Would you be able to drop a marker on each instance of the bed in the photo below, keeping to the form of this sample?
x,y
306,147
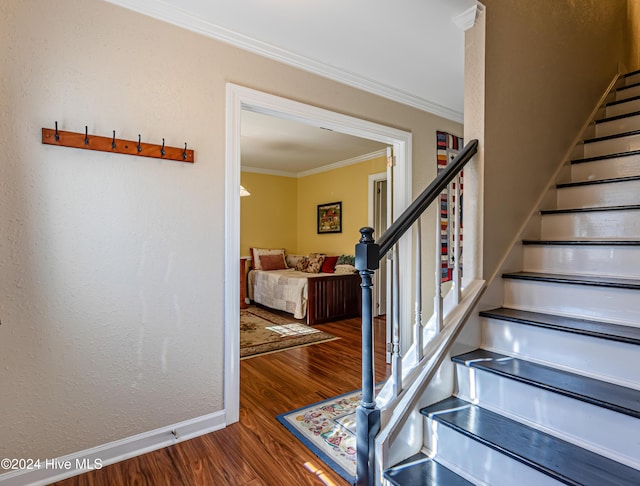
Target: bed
x,y
320,297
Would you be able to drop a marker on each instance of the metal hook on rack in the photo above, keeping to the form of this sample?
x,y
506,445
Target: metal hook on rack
x,y
113,145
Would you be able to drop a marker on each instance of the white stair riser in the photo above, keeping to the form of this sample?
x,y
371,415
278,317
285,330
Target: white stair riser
x,y
591,302
629,80
615,260
628,93
622,224
622,108
479,463
612,146
621,125
606,169
591,427
599,195
601,359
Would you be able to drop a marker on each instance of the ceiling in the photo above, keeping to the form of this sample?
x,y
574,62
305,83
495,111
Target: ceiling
x,y
410,51
290,148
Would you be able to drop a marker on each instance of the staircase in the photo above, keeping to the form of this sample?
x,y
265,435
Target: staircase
x,y
553,395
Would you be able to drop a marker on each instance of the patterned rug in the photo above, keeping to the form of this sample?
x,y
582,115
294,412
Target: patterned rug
x,y
263,332
328,429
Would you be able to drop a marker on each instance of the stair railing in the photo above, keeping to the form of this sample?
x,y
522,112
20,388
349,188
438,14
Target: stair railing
x,y
368,256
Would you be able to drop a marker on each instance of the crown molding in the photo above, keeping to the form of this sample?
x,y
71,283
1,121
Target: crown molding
x,y
317,170
187,20
344,163
467,19
260,170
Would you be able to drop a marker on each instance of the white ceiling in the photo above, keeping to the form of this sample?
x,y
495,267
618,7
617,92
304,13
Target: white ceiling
x,y
285,147
410,51
407,50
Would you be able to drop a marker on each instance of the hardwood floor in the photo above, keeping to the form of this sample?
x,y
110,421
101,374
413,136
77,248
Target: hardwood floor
x,y
258,450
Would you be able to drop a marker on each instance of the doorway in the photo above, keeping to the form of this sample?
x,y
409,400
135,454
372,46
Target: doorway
x,y
241,98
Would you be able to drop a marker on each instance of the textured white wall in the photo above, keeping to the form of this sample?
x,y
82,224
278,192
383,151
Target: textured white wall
x,y
111,285
111,266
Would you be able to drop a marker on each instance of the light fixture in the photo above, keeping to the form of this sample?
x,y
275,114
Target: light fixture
x,y
243,191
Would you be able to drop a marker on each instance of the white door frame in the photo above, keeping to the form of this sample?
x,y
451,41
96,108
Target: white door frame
x,y
239,98
371,192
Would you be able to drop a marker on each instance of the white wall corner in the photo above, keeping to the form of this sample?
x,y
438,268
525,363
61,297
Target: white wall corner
x,y
467,19
47,471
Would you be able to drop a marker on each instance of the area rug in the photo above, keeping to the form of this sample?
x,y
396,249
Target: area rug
x,y
328,429
263,332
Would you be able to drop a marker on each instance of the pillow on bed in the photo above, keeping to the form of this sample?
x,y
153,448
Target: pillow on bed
x,y
314,262
329,264
346,260
273,262
342,269
292,260
302,264
256,252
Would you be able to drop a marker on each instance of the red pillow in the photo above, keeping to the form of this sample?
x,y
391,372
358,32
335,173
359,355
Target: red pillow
x,y
272,262
329,264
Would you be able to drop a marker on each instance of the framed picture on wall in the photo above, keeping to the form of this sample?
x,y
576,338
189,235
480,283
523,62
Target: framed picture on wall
x,y
330,218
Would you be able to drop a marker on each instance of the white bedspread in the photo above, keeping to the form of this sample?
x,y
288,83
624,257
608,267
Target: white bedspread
x,y
281,289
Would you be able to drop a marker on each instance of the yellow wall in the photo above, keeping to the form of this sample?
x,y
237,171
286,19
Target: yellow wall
x,y
268,217
282,211
346,184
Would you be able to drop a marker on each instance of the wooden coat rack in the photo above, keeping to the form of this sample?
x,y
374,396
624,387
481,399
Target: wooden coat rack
x,y
53,136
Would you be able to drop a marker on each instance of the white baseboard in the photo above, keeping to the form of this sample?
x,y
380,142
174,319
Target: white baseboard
x,y
52,470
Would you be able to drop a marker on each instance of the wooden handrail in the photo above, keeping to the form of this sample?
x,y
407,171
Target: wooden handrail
x,y
368,256
422,202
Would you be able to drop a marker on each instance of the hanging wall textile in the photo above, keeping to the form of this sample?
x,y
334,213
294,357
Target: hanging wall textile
x,y
448,147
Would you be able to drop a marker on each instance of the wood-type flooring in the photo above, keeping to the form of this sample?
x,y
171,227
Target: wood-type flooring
x,y
258,450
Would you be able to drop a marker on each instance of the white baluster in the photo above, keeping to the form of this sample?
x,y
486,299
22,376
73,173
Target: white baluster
x,y
457,253
396,359
418,323
437,307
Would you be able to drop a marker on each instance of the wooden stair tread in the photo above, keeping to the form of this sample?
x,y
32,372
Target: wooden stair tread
x,y
592,209
617,117
611,180
628,153
587,327
612,136
622,88
589,390
419,470
557,458
589,242
593,280
618,102
631,73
